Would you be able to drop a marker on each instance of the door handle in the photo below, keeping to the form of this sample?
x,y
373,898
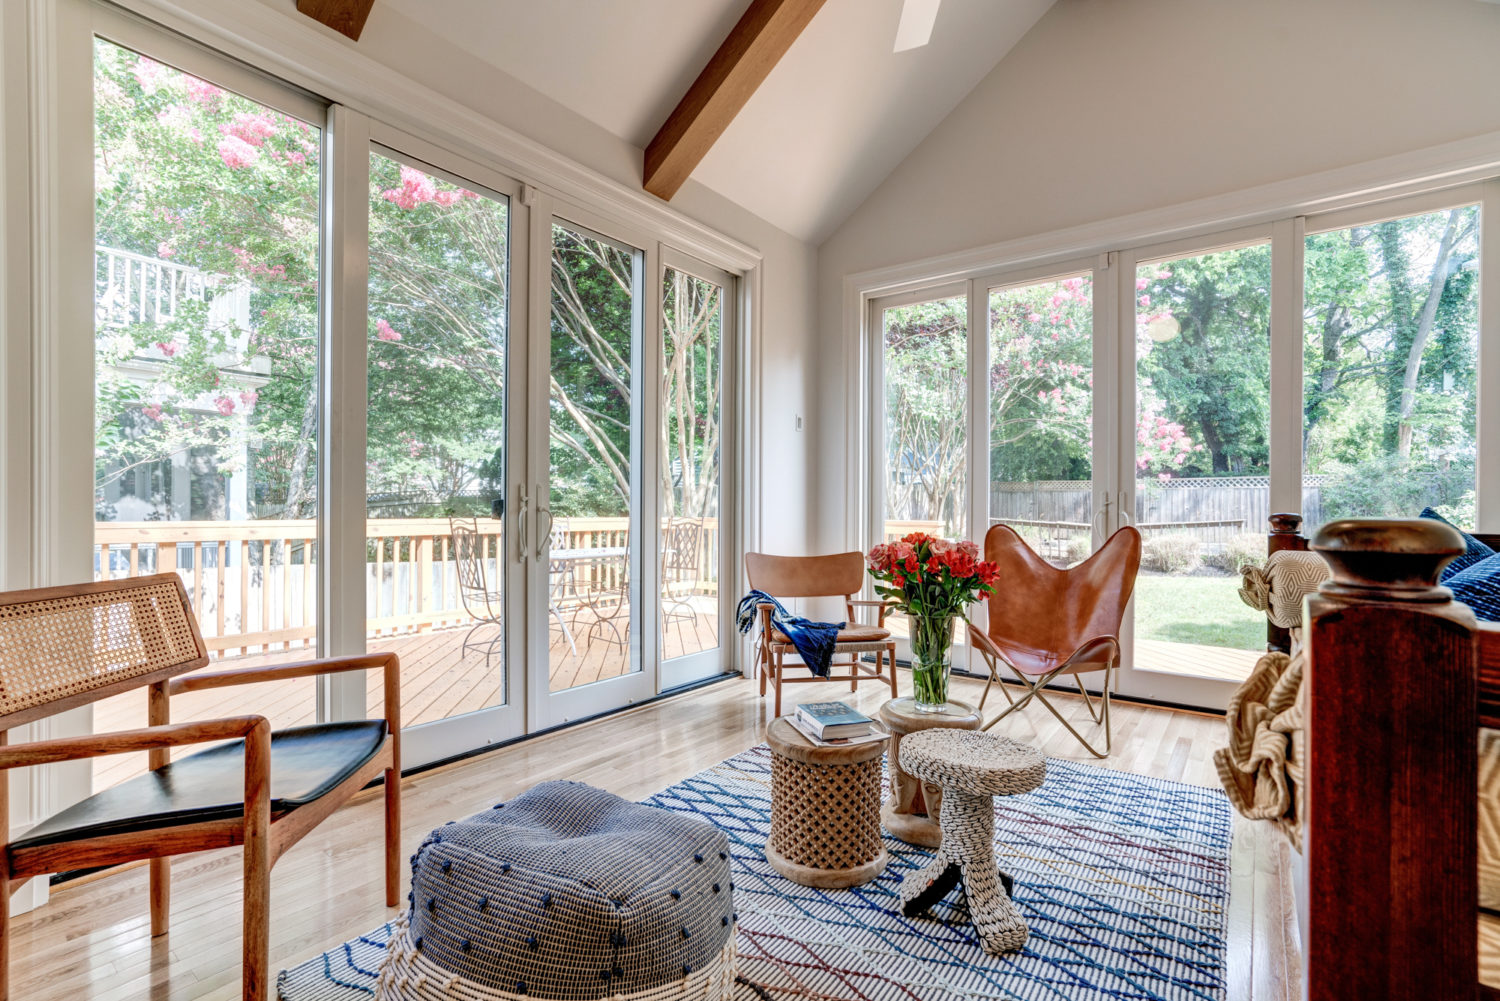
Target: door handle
x,y
1101,521
1125,517
523,552
546,535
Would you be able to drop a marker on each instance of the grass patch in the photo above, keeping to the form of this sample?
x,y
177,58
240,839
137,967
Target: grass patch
x,y
1204,610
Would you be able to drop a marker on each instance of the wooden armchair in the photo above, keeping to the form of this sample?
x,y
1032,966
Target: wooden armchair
x,y
843,575
64,647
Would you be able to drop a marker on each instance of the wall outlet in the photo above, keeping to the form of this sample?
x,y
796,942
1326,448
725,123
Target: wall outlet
x,y
797,424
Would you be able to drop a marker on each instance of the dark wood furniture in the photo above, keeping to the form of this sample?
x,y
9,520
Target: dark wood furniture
x,y
841,575
1286,533
1399,679
64,647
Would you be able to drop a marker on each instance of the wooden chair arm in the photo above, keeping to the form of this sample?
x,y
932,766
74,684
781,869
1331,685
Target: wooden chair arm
x,y
45,752
199,680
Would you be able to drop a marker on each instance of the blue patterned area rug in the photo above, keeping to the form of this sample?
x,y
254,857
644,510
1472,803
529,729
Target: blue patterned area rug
x,y
1123,880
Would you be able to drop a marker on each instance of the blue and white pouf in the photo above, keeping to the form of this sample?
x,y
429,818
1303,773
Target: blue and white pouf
x,y
566,893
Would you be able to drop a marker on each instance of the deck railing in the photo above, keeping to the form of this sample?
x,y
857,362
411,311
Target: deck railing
x,y
254,583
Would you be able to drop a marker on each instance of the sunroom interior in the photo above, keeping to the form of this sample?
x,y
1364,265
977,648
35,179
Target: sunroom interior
x,y
488,338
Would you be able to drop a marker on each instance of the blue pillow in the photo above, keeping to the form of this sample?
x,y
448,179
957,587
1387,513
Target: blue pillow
x,y
1475,552
1479,588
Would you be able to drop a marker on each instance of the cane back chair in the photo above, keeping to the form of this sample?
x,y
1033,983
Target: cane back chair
x,y
841,575
63,647
1045,622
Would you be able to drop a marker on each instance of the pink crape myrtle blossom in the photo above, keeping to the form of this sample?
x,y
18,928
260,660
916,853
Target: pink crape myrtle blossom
x,y
253,129
152,411
167,348
248,399
203,92
224,405
236,152
385,332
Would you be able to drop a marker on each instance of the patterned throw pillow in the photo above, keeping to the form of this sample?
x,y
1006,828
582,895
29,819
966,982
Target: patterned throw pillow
x,y
1479,588
1476,550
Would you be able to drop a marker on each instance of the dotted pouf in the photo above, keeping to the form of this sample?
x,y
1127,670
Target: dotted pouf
x,y
566,893
972,767
825,810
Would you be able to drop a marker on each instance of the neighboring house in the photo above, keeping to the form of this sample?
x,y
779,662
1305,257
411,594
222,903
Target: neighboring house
x,y
133,290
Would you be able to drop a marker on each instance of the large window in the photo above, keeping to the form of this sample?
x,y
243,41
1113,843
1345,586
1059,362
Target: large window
x,y
692,424
1041,415
436,438
594,443
1390,368
206,360
1202,457
925,365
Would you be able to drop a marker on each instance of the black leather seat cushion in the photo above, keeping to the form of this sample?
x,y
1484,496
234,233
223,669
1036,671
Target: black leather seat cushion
x,y
307,762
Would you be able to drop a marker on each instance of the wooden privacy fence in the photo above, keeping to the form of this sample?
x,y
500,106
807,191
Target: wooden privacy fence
x,y
254,583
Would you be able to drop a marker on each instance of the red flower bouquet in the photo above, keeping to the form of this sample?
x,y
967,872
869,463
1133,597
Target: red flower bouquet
x,y
932,580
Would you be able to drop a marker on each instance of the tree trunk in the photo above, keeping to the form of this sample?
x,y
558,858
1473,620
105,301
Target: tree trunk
x,y
295,492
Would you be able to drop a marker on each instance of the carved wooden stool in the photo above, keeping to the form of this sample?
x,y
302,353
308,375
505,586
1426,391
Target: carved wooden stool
x,y
825,810
911,813
972,768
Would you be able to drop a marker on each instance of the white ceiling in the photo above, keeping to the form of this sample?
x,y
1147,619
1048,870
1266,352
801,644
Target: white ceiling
x,y
835,117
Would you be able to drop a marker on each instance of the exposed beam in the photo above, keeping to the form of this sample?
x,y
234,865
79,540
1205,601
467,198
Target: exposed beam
x,y
347,17
757,43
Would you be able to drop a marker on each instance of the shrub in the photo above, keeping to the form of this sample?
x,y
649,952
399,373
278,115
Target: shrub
x,y
1172,553
1078,549
1240,551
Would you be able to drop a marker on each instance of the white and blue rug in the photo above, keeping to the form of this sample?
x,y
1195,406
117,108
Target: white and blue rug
x,y
1123,880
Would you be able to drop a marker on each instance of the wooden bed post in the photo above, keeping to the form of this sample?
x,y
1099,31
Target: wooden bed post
x,y
1285,534
1391,768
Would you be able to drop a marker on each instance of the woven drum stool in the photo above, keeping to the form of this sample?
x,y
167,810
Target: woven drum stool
x,y
911,813
825,810
566,893
973,767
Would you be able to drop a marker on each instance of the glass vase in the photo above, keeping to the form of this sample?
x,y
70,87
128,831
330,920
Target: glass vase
x,y
931,660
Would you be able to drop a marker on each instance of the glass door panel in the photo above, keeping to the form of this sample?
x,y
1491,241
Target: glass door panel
x,y
691,439
436,443
925,365
1202,466
206,364
593,608
1390,365
1041,415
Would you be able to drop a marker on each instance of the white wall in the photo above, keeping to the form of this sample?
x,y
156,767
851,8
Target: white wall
x,y
1108,108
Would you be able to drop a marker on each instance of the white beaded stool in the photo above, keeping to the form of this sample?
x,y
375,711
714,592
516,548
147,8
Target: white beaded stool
x,y
972,767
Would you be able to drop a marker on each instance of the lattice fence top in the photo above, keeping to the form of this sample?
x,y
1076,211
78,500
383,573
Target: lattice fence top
x,y
1174,483
67,643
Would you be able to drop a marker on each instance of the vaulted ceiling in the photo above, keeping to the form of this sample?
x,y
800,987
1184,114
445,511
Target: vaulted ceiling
x,y
836,115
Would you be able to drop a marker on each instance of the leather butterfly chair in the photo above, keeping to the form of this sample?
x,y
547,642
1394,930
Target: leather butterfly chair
x,y
1045,622
63,647
785,577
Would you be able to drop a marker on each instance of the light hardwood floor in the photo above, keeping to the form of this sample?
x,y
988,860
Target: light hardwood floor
x,y
92,942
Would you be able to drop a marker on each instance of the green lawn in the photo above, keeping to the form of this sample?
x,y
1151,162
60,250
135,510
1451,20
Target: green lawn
x,y
1205,610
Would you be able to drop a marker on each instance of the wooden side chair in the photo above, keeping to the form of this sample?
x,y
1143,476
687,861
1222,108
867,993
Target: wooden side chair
x,y
787,577
1045,622
63,647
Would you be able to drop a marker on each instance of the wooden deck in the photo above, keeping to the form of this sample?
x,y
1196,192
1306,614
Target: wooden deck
x,y
438,680
1195,660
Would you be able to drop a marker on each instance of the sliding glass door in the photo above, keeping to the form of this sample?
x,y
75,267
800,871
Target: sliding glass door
x,y
207,349
1329,366
361,393
1199,490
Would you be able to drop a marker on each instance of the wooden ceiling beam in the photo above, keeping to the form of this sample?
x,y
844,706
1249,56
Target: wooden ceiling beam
x,y
764,33
347,17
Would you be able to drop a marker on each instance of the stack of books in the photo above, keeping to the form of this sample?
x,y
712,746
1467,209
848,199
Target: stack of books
x,y
835,724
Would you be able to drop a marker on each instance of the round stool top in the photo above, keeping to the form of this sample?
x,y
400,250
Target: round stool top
x,y
902,717
787,741
973,761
